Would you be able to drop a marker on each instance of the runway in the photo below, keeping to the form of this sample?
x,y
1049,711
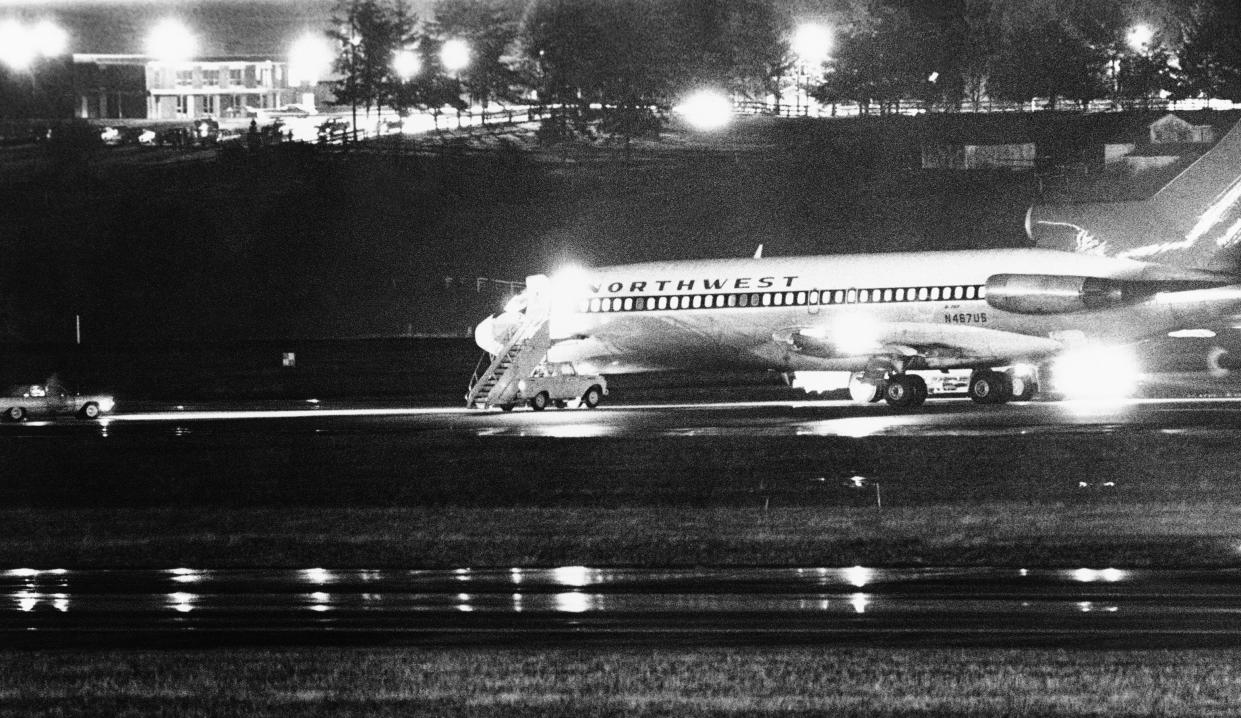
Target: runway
x,y
1081,607
304,456
944,417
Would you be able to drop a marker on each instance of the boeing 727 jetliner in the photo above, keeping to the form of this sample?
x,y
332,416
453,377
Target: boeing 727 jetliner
x,y
1099,276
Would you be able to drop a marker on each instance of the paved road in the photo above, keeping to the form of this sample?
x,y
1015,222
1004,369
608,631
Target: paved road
x,y
1084,607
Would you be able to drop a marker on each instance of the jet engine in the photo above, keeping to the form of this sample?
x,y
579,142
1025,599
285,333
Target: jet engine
x,y
1052,293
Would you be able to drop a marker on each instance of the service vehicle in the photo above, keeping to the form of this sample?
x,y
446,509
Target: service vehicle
x,y
557,383
42,400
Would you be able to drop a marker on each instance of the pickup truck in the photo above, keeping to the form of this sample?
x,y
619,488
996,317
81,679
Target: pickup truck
x,y
557,383
26,400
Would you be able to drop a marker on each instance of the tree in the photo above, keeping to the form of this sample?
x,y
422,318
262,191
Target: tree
x,y
1211,54
490,27
368,34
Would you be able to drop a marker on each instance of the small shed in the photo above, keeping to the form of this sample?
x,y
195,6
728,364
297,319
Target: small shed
x,y
1171,129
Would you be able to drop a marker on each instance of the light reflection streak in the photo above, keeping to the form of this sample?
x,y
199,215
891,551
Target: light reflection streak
x,y
321,601
572,576
317,575
858,576
573,602
186,575
182,602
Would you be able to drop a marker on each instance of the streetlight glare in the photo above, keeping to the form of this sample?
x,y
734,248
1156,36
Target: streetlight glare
x,y
455,55
50,39
406,63
17,50
706,110
812,42
21,45
171,41
1139,38
310,58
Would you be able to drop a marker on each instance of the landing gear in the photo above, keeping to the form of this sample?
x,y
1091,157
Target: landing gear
x,y
865,391
905,391
988,386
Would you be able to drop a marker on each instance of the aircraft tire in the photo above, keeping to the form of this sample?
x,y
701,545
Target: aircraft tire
x,y
901,391
592,396
1023,387
540,401
920,390
990,387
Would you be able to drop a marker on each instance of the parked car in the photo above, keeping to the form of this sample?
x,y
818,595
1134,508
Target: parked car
x,y
52,399
556,383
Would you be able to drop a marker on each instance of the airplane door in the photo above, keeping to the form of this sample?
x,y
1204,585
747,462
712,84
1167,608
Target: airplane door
x,y
812,301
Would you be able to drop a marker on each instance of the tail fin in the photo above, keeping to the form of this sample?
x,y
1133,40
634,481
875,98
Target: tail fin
x,y
1193,222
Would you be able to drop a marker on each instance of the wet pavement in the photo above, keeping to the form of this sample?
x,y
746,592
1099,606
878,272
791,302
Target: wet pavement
x,y
1082,607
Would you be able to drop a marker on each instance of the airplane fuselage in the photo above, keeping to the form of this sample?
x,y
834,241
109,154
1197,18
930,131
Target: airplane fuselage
x,y
835,312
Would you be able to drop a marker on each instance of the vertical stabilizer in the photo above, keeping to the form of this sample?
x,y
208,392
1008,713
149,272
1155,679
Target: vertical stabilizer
x,y
1194,221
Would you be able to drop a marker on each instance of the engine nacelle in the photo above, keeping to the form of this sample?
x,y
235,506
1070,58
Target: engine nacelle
x,y
1052,293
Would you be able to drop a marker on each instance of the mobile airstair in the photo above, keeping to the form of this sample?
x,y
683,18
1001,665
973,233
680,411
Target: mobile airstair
x,y
525,348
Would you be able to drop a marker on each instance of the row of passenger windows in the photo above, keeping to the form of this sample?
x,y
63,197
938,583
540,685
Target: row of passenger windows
x,y
782,299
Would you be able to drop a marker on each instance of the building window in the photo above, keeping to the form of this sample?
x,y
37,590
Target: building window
x,y
209,105
235,77
211,78
183,104
185,78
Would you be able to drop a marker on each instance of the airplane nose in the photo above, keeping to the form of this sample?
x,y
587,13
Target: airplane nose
x,y
485,335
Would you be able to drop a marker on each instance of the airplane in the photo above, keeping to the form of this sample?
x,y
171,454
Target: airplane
x,y
1099,277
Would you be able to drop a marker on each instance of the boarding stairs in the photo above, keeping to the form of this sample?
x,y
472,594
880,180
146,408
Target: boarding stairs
x,y
525,349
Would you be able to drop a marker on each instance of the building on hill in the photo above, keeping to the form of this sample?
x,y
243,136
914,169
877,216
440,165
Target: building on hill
x,y
141,87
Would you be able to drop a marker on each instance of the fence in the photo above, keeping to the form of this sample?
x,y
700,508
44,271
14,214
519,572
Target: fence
x,y
919,107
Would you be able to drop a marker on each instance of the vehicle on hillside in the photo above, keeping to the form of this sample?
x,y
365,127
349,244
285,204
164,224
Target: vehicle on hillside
x,y
23,401
556,383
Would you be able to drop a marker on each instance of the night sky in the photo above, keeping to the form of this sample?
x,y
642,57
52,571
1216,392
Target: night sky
x,y
225,27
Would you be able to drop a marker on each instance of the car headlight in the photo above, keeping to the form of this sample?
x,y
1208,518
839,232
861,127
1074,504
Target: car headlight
x,y
521,385
106,403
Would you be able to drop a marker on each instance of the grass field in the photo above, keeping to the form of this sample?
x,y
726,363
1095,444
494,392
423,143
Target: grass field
x,y
638,682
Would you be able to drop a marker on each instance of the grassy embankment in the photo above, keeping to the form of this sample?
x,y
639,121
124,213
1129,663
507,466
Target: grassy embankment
x,y
384,498
624,682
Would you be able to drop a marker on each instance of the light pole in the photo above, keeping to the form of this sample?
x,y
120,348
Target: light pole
x,y
170,42
309,59
455,57
811,44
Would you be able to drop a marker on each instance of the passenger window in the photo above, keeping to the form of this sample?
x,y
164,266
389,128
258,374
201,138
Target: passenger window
x,y
766,300
934,293
732,300
628,303
851,296
923,293
778,299
697,301
754,300
812,298
745,300
801,298
969,292
663,302
982,292
640,304
594,305
709,301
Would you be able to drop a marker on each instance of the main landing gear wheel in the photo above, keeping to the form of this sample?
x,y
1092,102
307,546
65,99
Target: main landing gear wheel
x,y
990,387
1023,387
905,391
540,401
